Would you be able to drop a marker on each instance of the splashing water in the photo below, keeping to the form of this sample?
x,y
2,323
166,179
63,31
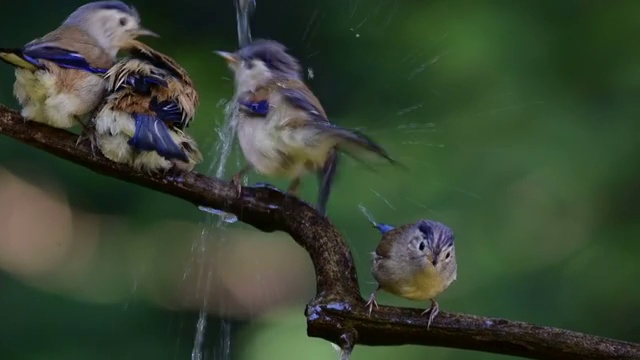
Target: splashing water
x,y
197,353
224,216
244,8
344,350
345,354
226,134
366,213
222,149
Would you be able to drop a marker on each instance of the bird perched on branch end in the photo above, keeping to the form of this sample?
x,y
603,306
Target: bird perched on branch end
x,y
282,128
150,102
59,77
416,261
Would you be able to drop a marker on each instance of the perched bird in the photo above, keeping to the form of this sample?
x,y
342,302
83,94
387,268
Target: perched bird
x,y
282,128
150,101
416,261
59,76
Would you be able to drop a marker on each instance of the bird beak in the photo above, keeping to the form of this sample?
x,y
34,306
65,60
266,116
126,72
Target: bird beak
x,y
230,57
145,32
433,260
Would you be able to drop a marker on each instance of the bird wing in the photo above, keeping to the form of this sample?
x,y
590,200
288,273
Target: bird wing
x,y
152,122
152,134
68,47
352,142
389,238
167,110
299,96
139,50
31,57
294,92
62,57
154,74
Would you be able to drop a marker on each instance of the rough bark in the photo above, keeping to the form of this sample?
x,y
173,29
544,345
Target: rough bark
x,y
337,312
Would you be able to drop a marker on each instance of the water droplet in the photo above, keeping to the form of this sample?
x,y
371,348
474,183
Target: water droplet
x,y
346,347
366,213
222,102
224,216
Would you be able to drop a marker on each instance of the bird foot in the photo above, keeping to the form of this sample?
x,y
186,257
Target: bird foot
x,y
175,174
236,181
91,138
372,302
87,133
433,311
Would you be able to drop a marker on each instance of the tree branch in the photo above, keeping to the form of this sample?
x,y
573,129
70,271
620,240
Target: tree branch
x,y
337,313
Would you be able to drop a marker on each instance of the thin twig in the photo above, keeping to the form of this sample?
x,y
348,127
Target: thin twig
x,y
337,312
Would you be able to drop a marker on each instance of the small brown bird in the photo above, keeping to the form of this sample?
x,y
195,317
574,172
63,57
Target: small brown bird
x,y
282,128
151,101
416,261
59,77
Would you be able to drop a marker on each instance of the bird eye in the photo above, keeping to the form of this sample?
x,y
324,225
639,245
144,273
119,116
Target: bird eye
x,y
422,245
249,64
123,21
446,257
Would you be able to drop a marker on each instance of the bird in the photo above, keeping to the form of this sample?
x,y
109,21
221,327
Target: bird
x,y
281,126
151,100
59,77
416,261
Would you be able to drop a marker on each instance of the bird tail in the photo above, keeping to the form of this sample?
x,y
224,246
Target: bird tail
x,y
326,177
152,134
16,58
354,143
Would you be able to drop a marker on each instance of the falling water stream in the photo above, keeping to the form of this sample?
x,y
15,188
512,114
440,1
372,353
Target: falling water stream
x,y
223,147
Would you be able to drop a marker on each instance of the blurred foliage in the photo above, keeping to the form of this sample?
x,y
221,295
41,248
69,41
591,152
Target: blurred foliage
x,y
518,122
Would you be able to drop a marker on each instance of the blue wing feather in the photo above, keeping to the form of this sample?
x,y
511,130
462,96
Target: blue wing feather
x,y
152,134
64,58
142,84
168,111
260,108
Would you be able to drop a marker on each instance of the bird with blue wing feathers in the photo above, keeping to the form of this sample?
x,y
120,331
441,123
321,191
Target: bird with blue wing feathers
x,y
282,128
59,77
151,100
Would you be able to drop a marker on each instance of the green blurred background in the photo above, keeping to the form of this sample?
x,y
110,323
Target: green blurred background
x,y
516,119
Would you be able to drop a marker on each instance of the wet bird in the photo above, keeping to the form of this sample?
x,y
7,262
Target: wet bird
x,y
416,261
150,102
282,128
59,77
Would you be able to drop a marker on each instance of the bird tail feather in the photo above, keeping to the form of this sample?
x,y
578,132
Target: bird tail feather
x,y
16,58
354,143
